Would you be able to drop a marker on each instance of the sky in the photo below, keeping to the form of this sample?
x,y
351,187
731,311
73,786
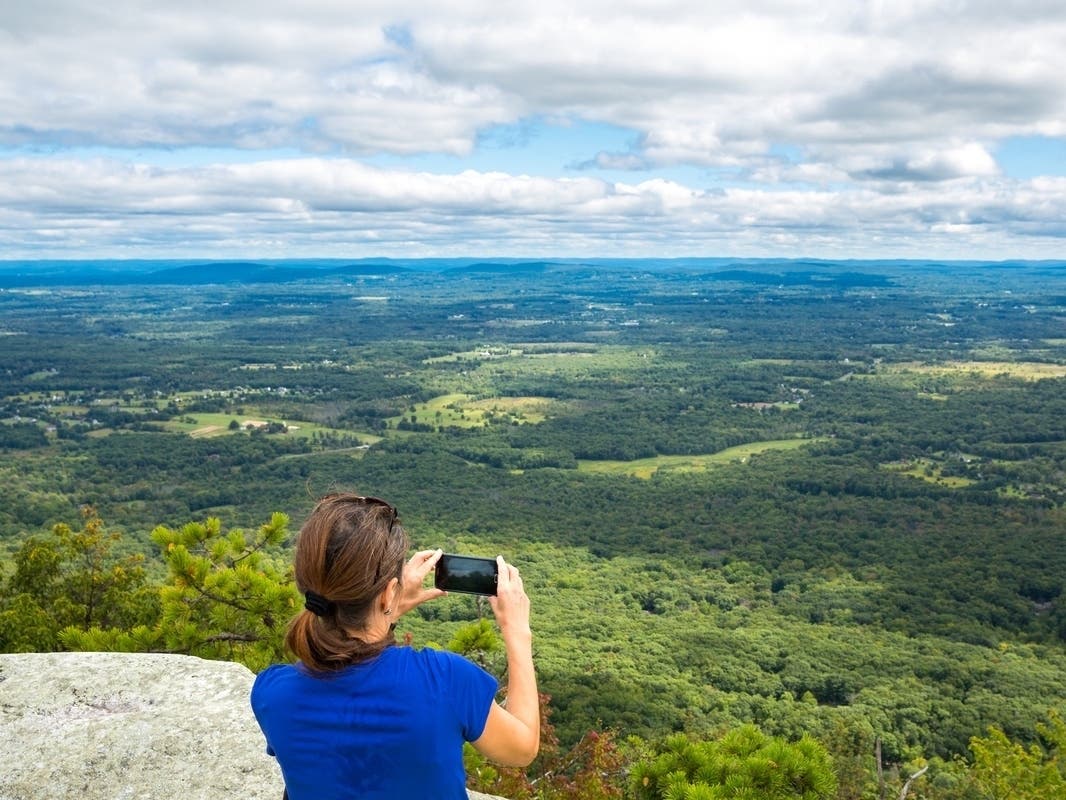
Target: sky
x,y
634,128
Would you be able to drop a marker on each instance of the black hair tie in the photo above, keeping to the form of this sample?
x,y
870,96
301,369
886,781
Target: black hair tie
x,y
318,605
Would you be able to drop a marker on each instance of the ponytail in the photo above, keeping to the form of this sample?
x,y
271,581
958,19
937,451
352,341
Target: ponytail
x,y
348,551
322,646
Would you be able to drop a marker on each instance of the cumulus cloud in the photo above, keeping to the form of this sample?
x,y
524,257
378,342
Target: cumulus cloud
x,y
890,113
314,206
702,84
310,76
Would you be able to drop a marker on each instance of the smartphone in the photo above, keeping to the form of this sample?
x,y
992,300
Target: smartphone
x,y
466,574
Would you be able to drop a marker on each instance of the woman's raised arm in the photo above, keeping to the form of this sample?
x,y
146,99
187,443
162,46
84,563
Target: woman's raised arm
x,y
512,734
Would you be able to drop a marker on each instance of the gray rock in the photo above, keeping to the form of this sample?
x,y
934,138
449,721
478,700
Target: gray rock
x,y
125,726
130,726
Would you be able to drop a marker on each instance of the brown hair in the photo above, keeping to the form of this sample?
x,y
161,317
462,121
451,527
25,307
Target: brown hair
x,y
347,551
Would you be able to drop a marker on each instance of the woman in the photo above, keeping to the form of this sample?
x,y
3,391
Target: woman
x,y
360,717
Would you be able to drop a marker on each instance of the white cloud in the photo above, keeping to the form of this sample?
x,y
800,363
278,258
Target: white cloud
x,y
704,83
889,113
967,159
342,207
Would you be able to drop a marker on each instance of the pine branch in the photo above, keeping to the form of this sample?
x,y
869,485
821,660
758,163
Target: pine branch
x,y
231,637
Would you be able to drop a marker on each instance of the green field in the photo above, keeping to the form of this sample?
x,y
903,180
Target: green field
x,y
467,411
928,470
201,425
646,467
1023,370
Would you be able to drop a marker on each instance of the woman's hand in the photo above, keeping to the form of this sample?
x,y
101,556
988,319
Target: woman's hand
x,y
412,592
511,604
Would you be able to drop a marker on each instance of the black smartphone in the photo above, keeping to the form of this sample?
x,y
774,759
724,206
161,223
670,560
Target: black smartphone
x,y
466,574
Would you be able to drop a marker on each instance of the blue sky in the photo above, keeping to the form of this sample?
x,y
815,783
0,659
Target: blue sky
x,y
274,129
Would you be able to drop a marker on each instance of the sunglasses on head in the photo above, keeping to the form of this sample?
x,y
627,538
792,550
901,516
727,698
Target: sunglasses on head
x,y
392,518
394,515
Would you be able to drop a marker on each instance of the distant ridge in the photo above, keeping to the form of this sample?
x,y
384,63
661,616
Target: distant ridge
x,y
252,272
800,278
213,272
753,271
503,268
224,272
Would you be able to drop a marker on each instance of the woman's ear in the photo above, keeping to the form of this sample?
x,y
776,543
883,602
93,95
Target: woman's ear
x,y
390,596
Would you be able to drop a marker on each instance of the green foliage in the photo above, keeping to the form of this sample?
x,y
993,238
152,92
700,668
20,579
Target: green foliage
x,y
71,579
21,436
1006,770
720,654
745,764
479,642
225,597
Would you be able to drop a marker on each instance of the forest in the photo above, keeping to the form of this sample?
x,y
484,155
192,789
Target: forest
x,y
756,499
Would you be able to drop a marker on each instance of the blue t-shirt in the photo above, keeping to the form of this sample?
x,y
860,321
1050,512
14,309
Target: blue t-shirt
x,y
392,727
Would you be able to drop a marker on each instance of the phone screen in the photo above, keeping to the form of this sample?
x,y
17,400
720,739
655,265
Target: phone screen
x,y
466,574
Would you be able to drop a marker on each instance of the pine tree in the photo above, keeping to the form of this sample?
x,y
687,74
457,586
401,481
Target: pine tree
x,y
71,579
745,764
225,597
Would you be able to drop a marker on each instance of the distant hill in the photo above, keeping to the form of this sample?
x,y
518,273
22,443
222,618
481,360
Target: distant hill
x,y
251,272
214,272
224,272
503,268
800,278
752,271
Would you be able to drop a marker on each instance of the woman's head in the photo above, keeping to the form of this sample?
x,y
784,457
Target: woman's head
x,y
348,552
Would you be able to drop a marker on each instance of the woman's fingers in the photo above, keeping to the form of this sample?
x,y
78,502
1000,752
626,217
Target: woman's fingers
x,y
508,573
413,593
510,605
420,565
428,560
